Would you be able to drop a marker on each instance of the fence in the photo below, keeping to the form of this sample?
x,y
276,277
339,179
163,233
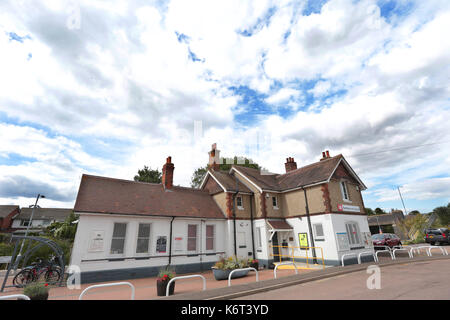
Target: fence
x,y
185,277
108,285
242,269
293,257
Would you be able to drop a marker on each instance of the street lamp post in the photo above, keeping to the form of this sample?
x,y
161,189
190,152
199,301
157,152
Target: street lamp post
x,y
31,219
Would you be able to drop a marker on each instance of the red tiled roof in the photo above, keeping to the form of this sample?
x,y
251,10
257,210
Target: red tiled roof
x,y
279,224
108,195
228,181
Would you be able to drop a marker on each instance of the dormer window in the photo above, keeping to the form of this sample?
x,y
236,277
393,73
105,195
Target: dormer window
x,y
239,203
344,191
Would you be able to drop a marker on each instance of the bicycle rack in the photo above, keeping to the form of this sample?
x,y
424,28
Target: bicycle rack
x,y
348,254
419,249
282,264
367,252
443,250
186,277
404,249
108,285
378,251
243,269
20,296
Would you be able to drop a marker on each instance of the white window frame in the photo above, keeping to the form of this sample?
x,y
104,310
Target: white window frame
x,y
196,237
213,237
349,234
316,236
345,195
149,239
276,202
25,223
124,239
240,207
259,231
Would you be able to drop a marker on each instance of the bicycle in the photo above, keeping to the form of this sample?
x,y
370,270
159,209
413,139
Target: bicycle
x,y
50,270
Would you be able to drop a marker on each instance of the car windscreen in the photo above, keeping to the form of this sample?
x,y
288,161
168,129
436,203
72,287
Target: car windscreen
x,y
378,237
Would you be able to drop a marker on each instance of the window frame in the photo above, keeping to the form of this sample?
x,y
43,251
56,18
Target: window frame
x,y
240,207
213,237
148,238
259,237
113,238
351,235
345,194
196,238
276,207
316,236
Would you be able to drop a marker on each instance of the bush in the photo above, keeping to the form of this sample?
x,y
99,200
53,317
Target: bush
x,y
231,263
36,289
166,273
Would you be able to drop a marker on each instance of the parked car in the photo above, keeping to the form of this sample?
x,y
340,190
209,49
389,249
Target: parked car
x,y
386,239
437,236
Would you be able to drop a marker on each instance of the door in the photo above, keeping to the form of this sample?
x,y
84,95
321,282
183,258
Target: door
x,y
276,249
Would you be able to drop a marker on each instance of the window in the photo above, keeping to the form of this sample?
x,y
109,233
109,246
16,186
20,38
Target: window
x,y
24,223
192,237
344,191
210,237
318,231
275,202
259,237
143,238
353,233
118,238
239,203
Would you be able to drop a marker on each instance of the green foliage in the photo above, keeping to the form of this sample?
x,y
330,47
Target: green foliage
x,y
148,175
369,212
36,289
414,213
166,273
443,214
379,211
199,173
63,230
231,263
44,252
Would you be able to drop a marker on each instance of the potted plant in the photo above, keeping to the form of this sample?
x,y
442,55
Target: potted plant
x,y
254,263
164,277
36,291
224,266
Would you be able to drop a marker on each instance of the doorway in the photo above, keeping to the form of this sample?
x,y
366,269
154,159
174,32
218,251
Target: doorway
x,y
275,248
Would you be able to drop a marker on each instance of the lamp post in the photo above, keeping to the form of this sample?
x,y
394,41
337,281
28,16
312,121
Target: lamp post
x,y
31,218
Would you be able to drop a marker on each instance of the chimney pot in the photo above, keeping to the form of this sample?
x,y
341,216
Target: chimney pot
x,y
328,154
167,173
290,164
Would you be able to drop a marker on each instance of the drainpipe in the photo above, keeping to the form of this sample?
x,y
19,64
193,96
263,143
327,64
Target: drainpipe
x,y
251,224
234,216
310,227
170,245
201,242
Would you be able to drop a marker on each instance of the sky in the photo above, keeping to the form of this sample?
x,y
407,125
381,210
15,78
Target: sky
x,y
106,87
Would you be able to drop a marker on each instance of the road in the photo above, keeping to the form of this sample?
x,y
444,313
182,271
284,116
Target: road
x,y
421,280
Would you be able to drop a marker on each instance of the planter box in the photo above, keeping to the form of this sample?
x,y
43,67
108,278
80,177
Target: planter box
x,y
220,274
161,287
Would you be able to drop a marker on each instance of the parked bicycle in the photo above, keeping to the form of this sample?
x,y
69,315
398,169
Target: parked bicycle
x,y
49,270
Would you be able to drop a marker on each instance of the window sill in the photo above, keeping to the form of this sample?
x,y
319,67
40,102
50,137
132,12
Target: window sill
x,y
240,208
276,208
348,201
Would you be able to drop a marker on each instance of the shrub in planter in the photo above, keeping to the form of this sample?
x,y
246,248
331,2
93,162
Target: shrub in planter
x,y
224,266
36,291
254,263
164,277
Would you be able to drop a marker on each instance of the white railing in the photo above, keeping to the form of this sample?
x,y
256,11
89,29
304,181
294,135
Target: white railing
x,y
419,249
348,254
385,247
19,296
387,250
282,264
186,277
108,285
243,269
443,250
367,252
402,249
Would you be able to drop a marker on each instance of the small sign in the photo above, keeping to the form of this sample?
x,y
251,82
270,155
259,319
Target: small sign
x,y
303,240
178,243
97,241
346,207
161,244
342,241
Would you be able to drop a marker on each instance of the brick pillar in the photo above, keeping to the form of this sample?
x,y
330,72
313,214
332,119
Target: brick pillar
x,y
167,173
326,197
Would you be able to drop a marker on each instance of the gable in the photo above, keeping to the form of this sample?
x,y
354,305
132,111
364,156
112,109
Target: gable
x,y
341,172
212,186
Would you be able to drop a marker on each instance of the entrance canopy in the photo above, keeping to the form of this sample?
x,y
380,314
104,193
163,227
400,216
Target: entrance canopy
x,y
278,225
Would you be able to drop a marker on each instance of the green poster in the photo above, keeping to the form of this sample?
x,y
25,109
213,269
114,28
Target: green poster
x,y
303,239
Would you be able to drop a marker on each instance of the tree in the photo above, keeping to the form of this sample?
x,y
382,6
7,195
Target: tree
x,y
379,211
148,175
443,214
369,212
414,213
199,173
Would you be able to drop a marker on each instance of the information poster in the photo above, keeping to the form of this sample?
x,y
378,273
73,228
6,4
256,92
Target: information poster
x,y
303,240
97,241
342,241
178,243
161,244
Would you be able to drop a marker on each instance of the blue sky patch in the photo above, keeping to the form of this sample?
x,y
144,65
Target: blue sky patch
x,y
15,37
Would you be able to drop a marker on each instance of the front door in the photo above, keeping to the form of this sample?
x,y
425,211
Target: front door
x,y
276,249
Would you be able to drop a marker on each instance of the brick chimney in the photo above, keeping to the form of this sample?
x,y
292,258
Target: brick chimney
x,y
214,158
325,155
290,164
167,173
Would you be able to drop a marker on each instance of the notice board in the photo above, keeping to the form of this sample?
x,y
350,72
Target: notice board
x,y
342,241
303,240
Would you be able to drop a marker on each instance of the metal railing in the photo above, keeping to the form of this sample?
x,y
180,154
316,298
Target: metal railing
x,y
186,277
284,263
348,254
402,249
443,250
293,257
419,249
108,285
387,250
19,296
367,252
243,269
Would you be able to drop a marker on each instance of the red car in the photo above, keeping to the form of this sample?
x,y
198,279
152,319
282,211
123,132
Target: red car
x,y
386,239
